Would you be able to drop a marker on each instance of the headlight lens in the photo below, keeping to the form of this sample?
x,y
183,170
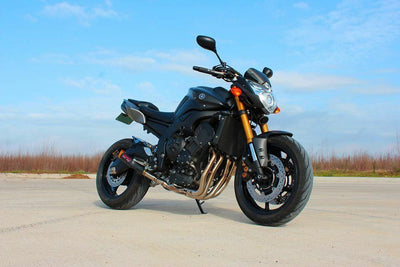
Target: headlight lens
x,y
265,95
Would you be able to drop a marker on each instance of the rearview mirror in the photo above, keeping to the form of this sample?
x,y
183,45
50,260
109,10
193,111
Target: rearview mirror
x,y
268,72
206,42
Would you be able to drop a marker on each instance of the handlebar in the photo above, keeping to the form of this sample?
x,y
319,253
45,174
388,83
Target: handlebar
x,y
218,74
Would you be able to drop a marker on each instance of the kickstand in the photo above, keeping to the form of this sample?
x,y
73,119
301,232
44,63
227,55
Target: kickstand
x,y
199,203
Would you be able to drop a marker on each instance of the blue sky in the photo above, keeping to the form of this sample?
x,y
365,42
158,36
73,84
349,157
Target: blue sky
x,y
66,66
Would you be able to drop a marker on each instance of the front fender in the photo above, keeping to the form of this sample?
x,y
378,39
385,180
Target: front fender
x,y
272,133
260,145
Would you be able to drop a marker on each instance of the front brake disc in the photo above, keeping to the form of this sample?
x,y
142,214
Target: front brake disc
x,y
259,195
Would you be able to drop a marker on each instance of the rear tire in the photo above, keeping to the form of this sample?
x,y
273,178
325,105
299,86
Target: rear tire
x,y
135,185
295,193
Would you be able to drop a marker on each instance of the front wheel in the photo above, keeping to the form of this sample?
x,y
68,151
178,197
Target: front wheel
x,y
280,196
123,191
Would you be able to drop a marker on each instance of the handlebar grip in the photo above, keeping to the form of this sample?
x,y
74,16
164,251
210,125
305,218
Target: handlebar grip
x,y
217,74
201,69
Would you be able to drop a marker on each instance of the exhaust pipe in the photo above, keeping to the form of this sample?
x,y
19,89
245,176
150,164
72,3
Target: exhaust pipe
x,y
206,179
124,162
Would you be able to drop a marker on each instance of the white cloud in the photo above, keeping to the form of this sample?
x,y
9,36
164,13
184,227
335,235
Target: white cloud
x,y
98,86
128,62
308,82
175,60
313,82
7,115
180,56
386,70
342,107
301,5
180,61
105,13
377,89
30,18
352,30
35,116
82,13
147,87
65,9
53,58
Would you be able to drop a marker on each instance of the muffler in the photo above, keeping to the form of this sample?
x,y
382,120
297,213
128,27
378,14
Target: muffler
x,y
135,157
124,162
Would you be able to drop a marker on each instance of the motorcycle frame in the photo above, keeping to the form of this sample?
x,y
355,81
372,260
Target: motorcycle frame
x,y
206,189
202,104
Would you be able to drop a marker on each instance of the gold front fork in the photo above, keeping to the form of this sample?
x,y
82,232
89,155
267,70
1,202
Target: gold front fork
x,y
249,132
245,120
264,127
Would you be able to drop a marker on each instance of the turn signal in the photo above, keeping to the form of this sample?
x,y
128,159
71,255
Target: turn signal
x,y
236,91
277,110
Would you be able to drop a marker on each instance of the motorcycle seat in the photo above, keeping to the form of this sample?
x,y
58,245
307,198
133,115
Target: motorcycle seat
x,y
167,117
143,104
151,111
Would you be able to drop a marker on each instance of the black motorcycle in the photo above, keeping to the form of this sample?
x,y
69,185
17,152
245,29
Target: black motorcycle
x,y
213,134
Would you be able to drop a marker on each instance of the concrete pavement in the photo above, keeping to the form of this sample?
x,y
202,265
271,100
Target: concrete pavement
x,y
62,222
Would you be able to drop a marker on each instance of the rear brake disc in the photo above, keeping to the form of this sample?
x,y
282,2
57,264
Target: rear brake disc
x,y
115,181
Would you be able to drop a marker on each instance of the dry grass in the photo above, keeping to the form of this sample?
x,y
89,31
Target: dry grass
x,y
357,164
49,162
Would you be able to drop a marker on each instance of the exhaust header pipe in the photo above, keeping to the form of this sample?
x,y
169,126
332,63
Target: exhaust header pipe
x,y
206,188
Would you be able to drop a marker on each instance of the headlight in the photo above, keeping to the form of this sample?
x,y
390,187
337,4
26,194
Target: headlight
x,y
265,95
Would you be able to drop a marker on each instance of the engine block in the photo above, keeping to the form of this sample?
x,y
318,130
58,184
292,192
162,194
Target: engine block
x,y
189,155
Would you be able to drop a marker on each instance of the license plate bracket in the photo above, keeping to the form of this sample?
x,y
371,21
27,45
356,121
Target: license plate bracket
x,y
124,118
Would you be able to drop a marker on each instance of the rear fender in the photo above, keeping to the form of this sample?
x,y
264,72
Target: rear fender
x,y
260,145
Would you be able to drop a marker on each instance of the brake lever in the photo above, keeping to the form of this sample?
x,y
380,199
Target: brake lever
x,y
217,74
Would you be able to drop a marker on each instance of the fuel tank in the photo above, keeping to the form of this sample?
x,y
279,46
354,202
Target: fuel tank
x,y
203,98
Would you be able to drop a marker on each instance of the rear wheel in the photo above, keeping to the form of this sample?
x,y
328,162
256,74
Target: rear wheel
x,y
123,191
283,195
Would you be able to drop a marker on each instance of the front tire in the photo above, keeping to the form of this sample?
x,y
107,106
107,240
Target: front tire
x,y
294,194
124,191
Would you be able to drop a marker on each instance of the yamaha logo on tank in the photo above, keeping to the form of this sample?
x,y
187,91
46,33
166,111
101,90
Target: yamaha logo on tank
x,y
202,96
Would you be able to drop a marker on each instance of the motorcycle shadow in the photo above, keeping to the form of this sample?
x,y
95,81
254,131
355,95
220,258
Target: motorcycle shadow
x,y
186,208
